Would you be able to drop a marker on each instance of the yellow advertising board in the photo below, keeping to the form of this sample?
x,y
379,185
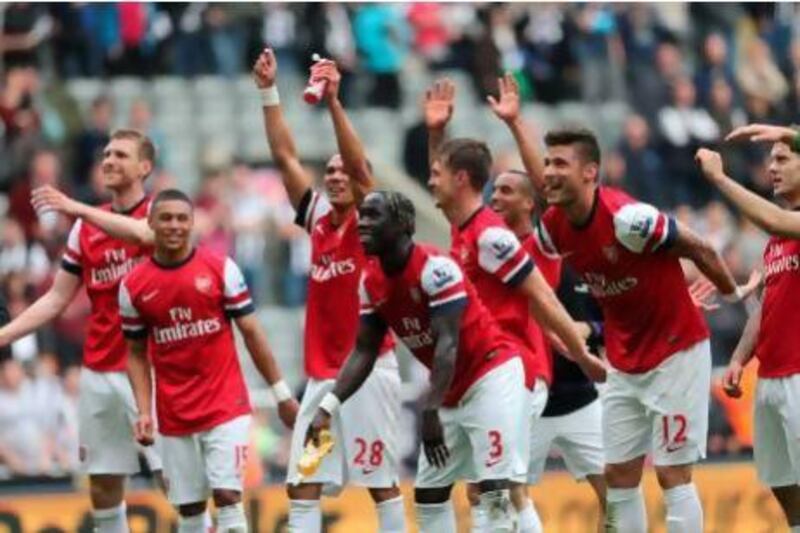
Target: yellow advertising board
x,y
733,501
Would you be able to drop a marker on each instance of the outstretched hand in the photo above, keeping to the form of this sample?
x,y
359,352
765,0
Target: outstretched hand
x,y
702,292
507,105
326,70
439,104
710,163
762,133
48,198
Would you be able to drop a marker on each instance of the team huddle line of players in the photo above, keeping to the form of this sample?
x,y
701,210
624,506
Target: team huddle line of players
x,y
511,371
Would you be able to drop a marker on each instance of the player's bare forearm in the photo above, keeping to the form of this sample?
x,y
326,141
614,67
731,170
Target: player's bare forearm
x,y
549,312
691,246
532,159
139,374
745,349
445,328
763,213
281,145
46,308
134,230
351,149
360,363
256,341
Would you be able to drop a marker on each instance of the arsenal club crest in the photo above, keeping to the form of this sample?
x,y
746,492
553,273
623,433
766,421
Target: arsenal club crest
x,y
202,284
611,253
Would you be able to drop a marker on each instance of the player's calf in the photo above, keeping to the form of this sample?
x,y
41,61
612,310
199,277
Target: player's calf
x,y
789,499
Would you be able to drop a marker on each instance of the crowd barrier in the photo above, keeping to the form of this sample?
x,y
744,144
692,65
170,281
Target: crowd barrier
x,y
733,500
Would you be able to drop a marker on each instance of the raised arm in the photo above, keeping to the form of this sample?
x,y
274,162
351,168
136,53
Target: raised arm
x,y
744,352
507,108
46,308
353,374
351,149
296,180
438,110
764,214
122,227
256,341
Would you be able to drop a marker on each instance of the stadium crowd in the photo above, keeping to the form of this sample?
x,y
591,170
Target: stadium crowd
x,y
690,73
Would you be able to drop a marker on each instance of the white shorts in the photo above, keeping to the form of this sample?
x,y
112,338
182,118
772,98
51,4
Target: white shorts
x,y
106,415
481,433
664,410
577,436
365,451
196,464
777,431
529,428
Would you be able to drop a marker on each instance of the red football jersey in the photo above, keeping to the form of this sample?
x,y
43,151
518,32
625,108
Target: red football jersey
x,y
550,267
778,339
102,261
185,311
431,283
495,262
337,259
620,253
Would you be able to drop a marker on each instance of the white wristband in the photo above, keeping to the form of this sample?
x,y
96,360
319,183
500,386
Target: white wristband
x,y
735,296
330,403
281,391
270,97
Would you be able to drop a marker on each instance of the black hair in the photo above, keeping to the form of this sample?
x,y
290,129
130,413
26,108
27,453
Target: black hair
x,y
469,155
584,140
401,210
171,194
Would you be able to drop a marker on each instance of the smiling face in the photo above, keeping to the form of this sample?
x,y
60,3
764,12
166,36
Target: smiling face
x,y
443,184
171,222
567,175
512,198
123,165
784,171
337,183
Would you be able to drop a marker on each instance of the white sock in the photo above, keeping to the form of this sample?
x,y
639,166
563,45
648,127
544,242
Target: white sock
x,y
529,521
193,524
112,520
497,505
436,517
684,512
305,516
480,519
391,516
625,512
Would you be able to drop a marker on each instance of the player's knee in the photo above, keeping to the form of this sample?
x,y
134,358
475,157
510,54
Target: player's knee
x,y
304,491
789,499
192,509
384,494
673,476
473,494
226,497
434,495
519,495
488,485
624,475
106,491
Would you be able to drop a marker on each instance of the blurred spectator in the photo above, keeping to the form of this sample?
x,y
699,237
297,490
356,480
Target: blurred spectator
x,y
430,31
25,26
20,255
213,212
382,42
135,48
758,74
684,127
279,32
93,139
643,165
599,50
651,91
45,169
729,116
716,66
228,36
141,118
295,279
548,58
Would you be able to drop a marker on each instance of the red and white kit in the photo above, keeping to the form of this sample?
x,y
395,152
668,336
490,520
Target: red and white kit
x,y
777,424
655,338
488,371
369,419
185,310
106,408
495,262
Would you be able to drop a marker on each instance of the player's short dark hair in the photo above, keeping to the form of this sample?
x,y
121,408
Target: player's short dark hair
x,y
583,139
147,150
401,210
469,155
171,194
527,185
